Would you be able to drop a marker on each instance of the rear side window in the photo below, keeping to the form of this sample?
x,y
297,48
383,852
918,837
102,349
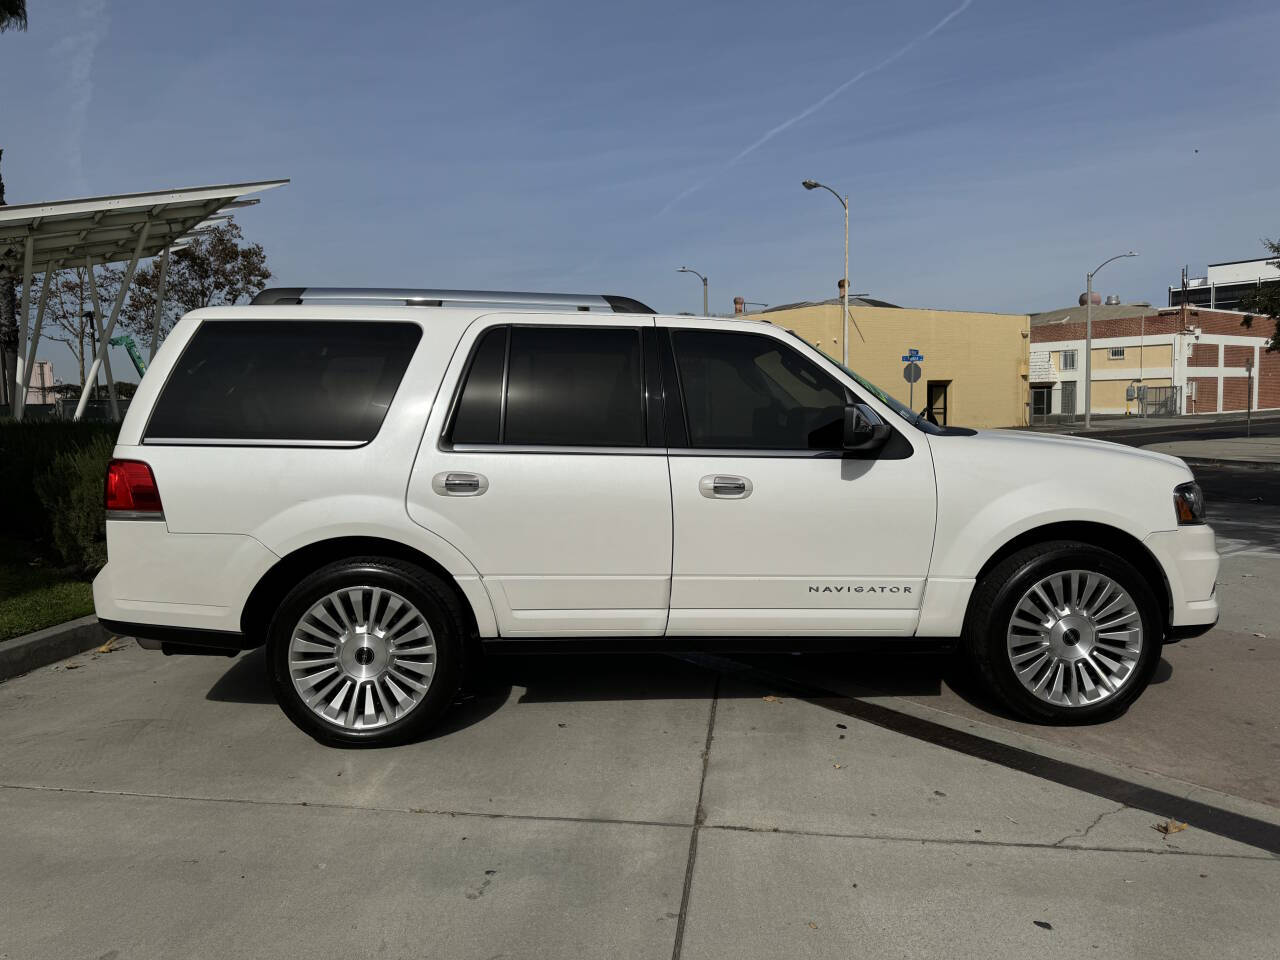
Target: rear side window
x,y
317,381
564,386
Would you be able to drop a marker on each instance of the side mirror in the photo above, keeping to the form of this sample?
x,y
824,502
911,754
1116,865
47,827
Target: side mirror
x,y
862,433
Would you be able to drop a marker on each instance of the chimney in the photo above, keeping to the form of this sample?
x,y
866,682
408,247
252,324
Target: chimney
x,y
739,305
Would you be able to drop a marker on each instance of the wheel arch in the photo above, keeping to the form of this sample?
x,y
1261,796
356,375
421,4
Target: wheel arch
x,y
1119,542
255,617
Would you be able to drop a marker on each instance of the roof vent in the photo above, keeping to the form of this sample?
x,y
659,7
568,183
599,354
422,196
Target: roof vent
x,y
1113,301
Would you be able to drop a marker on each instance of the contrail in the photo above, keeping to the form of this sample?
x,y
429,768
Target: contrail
x,y
818,105
77,50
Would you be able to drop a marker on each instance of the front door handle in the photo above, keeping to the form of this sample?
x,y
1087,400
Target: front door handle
x,y
455,484
718,486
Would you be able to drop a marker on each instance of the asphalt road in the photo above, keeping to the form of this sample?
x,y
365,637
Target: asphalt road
x,y
1241,483
1185,428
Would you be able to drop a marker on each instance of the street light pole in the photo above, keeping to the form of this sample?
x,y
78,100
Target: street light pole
x,y
705,313
844,316
1088,337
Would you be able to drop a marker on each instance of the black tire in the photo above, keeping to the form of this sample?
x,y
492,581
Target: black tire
x,y
437,603
992,605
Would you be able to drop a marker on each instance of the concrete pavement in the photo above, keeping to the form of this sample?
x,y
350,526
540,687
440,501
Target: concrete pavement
x,y
585,807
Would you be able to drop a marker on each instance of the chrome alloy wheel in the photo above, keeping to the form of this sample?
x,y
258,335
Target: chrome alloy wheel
x,y
1075,638
362,657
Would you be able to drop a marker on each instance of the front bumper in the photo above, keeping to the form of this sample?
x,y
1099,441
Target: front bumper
x,y
1189,558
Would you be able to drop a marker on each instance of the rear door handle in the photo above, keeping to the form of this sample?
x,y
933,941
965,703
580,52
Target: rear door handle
x,y
455,484
721,487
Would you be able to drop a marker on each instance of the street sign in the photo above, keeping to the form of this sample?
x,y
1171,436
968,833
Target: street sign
x,y
911,373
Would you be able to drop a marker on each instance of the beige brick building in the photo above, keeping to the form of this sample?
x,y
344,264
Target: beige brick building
x,y
1158,360
975,365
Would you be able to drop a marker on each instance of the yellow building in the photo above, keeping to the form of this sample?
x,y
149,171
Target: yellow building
x,y
975,367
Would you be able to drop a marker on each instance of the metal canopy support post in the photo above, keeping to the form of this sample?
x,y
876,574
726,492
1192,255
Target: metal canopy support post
x,y
111,324
19,395
160,292
24,380
97,326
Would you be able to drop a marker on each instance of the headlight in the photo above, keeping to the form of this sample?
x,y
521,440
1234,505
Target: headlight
x,y
1188,503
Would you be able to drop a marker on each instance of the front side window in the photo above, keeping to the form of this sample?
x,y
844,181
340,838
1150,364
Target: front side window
x,y
750,392
564,386
284,381
1068,360
1117,353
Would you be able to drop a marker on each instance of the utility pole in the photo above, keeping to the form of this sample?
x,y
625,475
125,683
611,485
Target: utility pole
x,y
1088,337
1248,399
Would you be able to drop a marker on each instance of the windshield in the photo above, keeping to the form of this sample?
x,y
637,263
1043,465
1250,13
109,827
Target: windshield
x,y
901,409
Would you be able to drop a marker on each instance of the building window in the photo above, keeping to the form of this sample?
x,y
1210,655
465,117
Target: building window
x,y
1116,353
1067,360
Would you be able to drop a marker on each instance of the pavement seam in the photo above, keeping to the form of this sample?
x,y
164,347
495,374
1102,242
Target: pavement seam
x,y
967,842
699,818
331,805
618,821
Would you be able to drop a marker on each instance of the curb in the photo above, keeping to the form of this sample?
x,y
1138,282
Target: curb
x,y
34,650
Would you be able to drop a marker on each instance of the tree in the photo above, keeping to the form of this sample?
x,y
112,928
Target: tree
x,y
1266,302
217,268
13,15
65,319
8,309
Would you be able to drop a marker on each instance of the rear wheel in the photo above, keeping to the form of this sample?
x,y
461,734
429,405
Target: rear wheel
x,y
366,651
1064,632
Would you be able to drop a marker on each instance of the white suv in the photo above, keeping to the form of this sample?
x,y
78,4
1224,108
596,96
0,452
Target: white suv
x,y
372,482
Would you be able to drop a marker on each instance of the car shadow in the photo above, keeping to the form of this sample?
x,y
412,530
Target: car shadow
x,y
245,681
921,676
587,677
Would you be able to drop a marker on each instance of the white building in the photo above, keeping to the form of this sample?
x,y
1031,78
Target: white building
x,y
1224,285
40,390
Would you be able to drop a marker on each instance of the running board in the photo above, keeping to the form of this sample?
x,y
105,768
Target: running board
x,y
586,645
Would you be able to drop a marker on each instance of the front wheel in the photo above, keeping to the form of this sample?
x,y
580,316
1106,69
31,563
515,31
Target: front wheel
x,y
1064,632
366,651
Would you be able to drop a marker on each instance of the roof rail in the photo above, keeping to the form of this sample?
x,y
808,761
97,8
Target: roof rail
x,y
504,299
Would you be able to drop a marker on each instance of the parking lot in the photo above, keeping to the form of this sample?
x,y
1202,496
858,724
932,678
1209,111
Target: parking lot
x,y
864,804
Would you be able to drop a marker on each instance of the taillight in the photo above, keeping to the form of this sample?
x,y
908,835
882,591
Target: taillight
x,y
131,491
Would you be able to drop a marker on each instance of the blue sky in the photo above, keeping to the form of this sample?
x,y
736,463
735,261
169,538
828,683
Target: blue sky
x,y
591,146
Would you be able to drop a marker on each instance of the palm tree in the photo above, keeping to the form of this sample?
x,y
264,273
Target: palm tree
x,y
13,15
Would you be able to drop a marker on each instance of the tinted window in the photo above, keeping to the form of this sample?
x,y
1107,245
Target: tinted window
x,y
479,415
575,386
744,391
284,380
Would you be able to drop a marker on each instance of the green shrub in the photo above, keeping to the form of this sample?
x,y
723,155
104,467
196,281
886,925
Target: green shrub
x,y
71,491
39,470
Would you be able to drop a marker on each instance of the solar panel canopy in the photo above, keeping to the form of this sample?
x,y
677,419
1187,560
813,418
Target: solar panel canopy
x,y
67,233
